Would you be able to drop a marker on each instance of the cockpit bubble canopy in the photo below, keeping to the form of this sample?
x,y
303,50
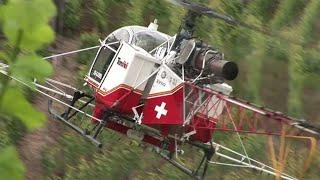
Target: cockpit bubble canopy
x,y
139,36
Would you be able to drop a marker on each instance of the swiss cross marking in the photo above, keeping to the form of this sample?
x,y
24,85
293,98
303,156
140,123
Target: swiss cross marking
x,y
161,110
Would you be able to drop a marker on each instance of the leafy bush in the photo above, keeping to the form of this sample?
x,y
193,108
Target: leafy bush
x,y
72,15
15,129
305,31
312,62
26,28
99,14
135,13
309,20
264,9
88,40
287,12
50,161
142,12
4,136
3,1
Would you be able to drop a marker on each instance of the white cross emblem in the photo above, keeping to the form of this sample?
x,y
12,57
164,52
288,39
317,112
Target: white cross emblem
x,y
161,110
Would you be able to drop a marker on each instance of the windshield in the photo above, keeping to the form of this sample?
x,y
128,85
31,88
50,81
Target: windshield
x,y
101,64
119,35
148,40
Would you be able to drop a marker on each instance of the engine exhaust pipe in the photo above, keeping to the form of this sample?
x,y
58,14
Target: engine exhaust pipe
x,y
226,69
215,64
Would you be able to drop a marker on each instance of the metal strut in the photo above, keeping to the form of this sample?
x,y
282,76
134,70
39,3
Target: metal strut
x,y
102,124
76,96
66,116
208,154
209,151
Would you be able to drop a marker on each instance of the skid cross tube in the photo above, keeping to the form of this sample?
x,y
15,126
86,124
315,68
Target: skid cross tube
x,y
65,117
102,124
74,127
76,96
209,151
179,166
83,106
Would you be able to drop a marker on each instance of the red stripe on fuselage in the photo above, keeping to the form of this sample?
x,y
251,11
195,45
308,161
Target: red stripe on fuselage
x,y
164,93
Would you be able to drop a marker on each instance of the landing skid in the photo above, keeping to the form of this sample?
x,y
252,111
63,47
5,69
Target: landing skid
x,y
66,116
78,103
151,135
200,172
165,149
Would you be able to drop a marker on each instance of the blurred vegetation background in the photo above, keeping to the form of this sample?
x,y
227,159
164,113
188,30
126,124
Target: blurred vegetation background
x,y
273,72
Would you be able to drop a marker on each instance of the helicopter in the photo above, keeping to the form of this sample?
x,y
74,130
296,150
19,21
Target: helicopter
x,y
167,91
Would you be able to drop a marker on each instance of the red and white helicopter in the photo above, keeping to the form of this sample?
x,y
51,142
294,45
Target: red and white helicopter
x,y
167,91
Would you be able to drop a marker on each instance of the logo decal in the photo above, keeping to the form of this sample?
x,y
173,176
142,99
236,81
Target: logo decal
x,y
161,83
161,110
121,63
163,74
97,74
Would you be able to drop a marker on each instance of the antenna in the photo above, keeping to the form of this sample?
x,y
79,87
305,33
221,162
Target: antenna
x,y
153,25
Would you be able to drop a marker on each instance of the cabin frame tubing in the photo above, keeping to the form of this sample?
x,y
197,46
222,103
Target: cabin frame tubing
x,y
167,146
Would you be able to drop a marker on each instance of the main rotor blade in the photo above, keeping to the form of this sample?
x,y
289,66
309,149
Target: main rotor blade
x,y
209,12
203,10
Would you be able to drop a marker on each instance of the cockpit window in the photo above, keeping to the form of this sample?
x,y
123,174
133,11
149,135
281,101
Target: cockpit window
x,y
119,35
148,40
101,64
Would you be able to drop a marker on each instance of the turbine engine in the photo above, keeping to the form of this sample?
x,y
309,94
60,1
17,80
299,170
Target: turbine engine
x,y
204,61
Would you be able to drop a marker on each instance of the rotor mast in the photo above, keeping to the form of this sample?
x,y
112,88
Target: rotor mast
x,y
186,28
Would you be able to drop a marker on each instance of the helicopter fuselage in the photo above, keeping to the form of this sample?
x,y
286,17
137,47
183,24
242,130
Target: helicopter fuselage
x,y
133,74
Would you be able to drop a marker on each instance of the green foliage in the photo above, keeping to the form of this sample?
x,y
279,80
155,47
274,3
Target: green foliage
x,y
135,13
27,68
142,12
312,63
11,167
69,153
99,14
3,2
85,171
304,32
296,81
287,12
264,9
88,40
72,15
21,109
313,173
28,21
309,19
28,65
157,10
14,129
229,38
4,136
26,28
74,146
174,19
254,63
50,161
